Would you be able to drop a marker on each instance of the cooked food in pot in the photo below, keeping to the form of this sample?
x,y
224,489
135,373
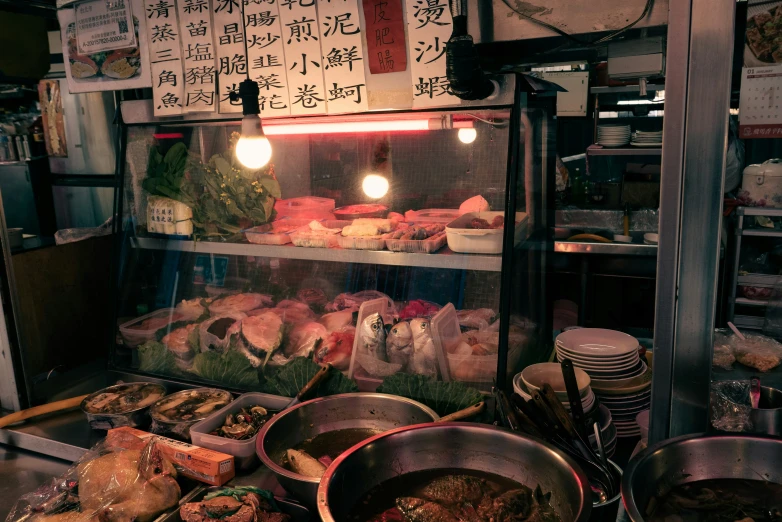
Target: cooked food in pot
x,y
189,405
123,398
719,500
311,457
448,495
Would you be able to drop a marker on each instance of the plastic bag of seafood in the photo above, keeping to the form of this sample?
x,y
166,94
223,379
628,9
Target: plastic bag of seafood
x,y
731,405
121,478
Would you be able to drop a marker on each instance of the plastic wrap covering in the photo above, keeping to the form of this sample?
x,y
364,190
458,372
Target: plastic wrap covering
x,y
773,321
756,351
731,406
723,350
122,478
640,220
71,235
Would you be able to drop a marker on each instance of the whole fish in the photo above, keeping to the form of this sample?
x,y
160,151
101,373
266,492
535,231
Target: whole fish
x,y
424,359
373,337
304,464
420,510
399,344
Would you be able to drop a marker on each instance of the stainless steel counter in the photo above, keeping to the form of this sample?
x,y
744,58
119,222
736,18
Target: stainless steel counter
x,y
22,472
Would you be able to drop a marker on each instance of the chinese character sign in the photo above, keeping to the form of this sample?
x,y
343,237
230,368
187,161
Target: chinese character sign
x,y
385,51
429,26
342,56
199,55
301,41
231,59
266,57
168,82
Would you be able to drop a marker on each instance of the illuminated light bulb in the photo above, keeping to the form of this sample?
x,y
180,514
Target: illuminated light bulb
x,y
253,149
375,186
467,135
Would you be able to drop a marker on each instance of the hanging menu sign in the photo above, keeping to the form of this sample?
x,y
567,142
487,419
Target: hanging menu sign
x,y
266,57
301,42
429,26
104,26
198,53
168,85
385,32
231,60
343,56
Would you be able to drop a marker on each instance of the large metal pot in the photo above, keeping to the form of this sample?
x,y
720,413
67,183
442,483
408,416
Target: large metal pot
x,y
697,457
338,412
767,417
466,446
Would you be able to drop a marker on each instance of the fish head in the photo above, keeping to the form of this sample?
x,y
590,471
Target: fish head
x,y
372,329
420,328
400,334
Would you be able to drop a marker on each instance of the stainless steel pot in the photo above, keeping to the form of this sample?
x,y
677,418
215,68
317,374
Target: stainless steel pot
x,y
351,410
697,457
767,417
468,446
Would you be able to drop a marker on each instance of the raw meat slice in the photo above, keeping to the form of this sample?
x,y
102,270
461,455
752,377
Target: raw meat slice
x,y
178,342
263,332
215,333
336,320
240,303
303,338
292,312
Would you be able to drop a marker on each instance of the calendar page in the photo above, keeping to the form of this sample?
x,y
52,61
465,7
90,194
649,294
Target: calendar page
x,y
760,115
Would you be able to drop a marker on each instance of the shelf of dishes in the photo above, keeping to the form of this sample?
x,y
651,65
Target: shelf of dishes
x,y
749,322
598,150
443,258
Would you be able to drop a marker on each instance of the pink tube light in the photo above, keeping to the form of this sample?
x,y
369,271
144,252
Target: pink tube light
x,y
270,129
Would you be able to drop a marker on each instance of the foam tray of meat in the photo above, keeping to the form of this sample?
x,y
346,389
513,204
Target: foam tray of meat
x,y
424,239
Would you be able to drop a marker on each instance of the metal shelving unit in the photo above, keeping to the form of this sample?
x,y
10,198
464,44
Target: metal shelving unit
x,y
594,150
444,258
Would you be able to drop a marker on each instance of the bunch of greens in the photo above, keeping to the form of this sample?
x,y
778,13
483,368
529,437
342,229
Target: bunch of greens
x,y
166,175
230,369
155,358
289,379
443,397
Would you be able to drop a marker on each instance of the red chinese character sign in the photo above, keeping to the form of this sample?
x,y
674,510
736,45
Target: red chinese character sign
x,y
385,52
429,26
266,57
168,82
301,42
199,55
760,115
342,56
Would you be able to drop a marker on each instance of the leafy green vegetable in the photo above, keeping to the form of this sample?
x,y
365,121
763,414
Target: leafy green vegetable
x,y
166,175
230,368
156,358
238,492
289,379
443,397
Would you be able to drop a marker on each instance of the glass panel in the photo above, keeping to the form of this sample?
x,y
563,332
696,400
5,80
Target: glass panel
x,y
360,229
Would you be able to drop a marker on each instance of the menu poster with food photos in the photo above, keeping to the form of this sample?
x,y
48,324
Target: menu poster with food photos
x,y
343,56
429,26
386,52
168,82
301,42
198,54
266,57
231,59
762,42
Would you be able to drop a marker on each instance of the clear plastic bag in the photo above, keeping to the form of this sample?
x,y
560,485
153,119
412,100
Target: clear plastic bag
x,y
731,405
723,350
121,478
71,235
757,351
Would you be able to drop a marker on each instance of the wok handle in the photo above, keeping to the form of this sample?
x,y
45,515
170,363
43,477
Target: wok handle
x,y
466,413
315,381
43,409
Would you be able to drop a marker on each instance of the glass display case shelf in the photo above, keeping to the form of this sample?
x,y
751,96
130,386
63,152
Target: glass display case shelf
x,y
595,150
444,258
593,247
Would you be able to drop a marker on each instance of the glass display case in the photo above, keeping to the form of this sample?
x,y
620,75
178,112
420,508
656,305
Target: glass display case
x,y
390,243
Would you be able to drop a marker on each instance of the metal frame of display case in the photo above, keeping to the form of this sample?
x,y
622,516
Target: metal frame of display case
x,y
512,97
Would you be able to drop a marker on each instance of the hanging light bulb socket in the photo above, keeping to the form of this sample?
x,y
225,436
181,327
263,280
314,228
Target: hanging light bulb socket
x,y
248,93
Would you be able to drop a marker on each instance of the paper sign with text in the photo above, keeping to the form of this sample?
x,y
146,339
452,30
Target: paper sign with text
x,y
266,57
168,82
342,56
301,42
385,51
104,26
198,53
231,59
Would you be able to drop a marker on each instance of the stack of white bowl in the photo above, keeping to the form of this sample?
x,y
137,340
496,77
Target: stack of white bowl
x,y
613,135
620,378
647,139
532,379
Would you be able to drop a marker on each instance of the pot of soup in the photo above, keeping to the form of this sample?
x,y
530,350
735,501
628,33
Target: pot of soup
x,y
300,443
447,472
698,478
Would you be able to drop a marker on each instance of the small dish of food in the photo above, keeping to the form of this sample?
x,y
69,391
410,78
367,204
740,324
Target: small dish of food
x,y
174,415
122,405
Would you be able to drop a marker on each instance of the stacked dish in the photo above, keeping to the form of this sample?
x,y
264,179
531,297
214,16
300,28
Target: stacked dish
x,y
613,135
647,139
621,380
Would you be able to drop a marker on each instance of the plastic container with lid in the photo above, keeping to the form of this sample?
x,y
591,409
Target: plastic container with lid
x,y
243,451
431,215
275,233
134,332
482,241
306,207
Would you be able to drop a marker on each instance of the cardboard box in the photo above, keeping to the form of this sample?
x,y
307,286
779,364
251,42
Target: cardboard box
x,y
204,465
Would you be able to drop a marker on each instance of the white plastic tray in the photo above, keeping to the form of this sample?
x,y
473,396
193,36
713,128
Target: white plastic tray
x,y
425,246
482,241
362,242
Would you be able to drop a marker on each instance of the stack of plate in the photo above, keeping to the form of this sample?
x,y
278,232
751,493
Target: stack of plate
x,y
613,135
621,380
647,139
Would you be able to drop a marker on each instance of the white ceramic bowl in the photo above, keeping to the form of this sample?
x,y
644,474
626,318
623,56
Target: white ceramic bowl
x,y
535,375
651,238
623,239
597,342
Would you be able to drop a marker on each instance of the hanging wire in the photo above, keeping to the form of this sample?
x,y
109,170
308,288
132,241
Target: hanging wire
x,y
244,35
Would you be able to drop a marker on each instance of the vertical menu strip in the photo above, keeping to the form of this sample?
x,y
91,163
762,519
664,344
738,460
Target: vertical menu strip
x,y
231,59
266,57
301,43
198,52
342,56
165,57
386,49
429,26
